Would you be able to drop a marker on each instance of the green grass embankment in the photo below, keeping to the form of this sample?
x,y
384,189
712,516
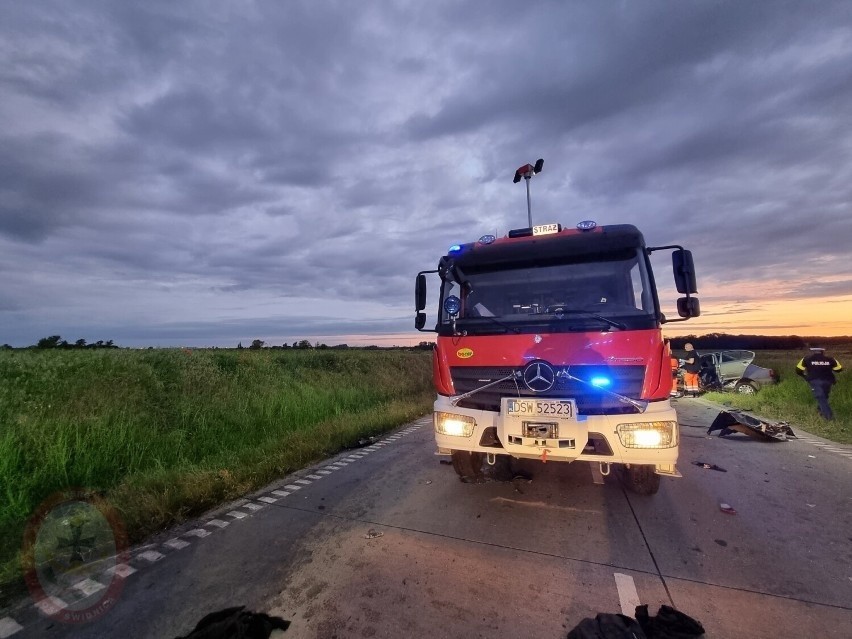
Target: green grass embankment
x,y
166,434
791,400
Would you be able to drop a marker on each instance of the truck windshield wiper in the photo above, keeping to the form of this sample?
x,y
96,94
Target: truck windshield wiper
x,y
560,311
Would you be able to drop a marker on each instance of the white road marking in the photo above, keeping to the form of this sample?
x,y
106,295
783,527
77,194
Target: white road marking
x,y
280,493
152,555
252,506
627,595
51,605
218,523
121,570
292,487
332,468
267,500
88,587
314,477
8,627
176,543
342,463
323,472
597,477
237,514
304,482
198,532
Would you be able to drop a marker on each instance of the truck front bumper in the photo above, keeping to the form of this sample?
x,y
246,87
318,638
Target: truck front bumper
x,y
651,437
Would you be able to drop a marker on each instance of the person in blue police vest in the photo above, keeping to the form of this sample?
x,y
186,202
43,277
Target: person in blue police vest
x,y
819,369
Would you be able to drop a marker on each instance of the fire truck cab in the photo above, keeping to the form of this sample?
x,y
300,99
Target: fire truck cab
x,y
549,347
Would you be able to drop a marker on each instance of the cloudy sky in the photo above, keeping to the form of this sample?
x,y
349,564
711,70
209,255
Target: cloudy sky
x,y
203,173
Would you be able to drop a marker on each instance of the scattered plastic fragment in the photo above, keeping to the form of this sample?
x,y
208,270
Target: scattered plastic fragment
x,y
811,505
812,456
373,534
710,466
727,508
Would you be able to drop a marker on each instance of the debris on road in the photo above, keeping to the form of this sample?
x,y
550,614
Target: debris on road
x,y
727,508
730,421
373,534
710,466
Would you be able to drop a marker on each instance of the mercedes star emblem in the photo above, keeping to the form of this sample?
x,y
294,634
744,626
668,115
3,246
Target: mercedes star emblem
x,y
539,377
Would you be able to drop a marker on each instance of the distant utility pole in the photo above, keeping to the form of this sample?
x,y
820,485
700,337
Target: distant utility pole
x,y
526,172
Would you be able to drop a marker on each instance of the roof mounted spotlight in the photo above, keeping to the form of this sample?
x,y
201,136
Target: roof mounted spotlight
x,y
527,171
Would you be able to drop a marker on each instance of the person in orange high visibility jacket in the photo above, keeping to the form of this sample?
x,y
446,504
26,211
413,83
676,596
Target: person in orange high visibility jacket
x,y
819,369
675,364
691,368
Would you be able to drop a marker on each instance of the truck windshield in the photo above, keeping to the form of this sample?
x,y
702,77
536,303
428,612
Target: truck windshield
x,y
569,294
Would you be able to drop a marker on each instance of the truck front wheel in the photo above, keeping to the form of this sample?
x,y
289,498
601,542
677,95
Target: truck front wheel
x,y
468,465
642,480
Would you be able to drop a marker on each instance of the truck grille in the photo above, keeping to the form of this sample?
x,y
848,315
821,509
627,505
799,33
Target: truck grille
x,y
624,380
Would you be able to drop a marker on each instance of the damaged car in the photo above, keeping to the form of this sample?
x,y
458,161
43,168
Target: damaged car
x,y
734,371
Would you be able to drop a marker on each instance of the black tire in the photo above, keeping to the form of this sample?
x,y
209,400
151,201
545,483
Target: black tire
x,y
468,465
642,480
746,388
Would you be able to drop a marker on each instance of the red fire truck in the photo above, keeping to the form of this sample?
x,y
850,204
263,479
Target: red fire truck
x,y
549,347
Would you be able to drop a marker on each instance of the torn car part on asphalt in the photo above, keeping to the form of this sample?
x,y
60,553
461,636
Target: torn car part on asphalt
x,y
729,421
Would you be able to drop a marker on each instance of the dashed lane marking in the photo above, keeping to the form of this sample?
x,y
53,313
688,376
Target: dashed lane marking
x,y
280,493
252,506
267,500
237,514
323,472
88,587
627,595
304,482
292,487
8,627
51,606
198,532
152,555
218,523
121,570
314,477
176,544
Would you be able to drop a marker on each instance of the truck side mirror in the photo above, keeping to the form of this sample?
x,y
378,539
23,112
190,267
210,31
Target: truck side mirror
x,y
684,273
420,293
420,321
688,307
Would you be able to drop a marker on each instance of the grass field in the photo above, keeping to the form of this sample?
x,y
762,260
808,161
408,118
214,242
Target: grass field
x,y
791,400
166,434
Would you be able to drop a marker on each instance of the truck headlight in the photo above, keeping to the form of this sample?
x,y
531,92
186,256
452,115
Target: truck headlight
x,y
648,434
452,424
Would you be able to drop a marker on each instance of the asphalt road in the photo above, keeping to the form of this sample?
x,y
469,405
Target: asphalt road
x,y
392,544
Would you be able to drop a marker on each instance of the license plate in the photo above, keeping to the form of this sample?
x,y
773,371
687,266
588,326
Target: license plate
x,y
564,409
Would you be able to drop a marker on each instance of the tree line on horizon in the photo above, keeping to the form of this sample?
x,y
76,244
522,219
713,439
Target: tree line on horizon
x,y
724,341
56,342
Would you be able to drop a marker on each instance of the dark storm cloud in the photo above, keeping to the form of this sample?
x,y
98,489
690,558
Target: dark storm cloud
x,y
209,159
